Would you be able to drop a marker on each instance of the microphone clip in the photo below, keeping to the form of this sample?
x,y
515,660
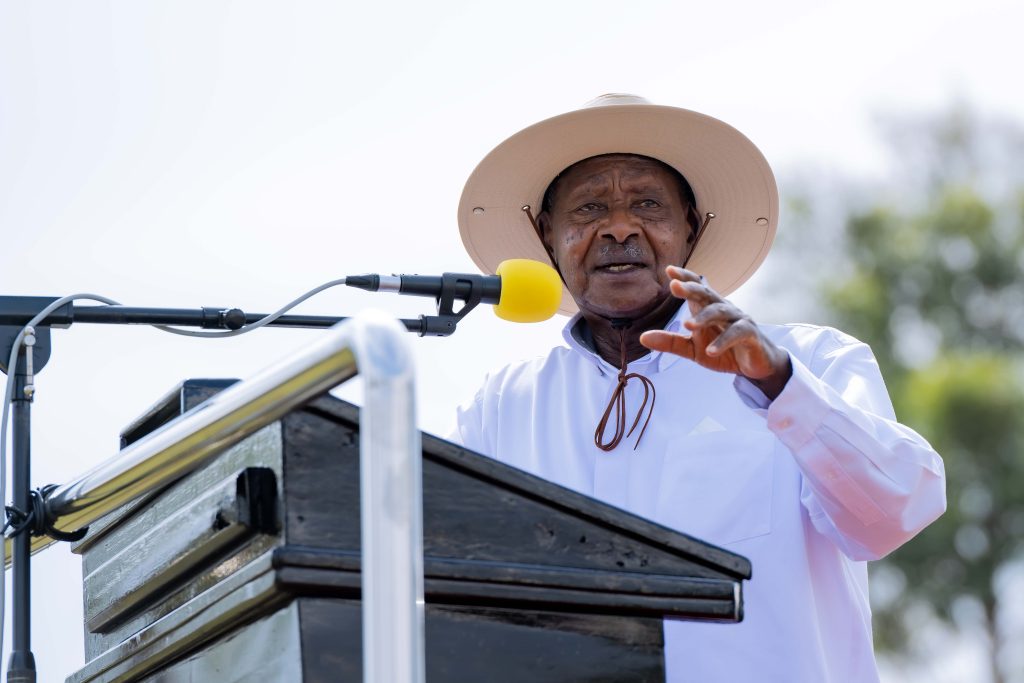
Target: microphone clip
x,y
447,318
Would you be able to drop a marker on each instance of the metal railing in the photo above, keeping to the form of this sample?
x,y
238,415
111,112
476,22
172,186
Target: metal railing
x,y
390,472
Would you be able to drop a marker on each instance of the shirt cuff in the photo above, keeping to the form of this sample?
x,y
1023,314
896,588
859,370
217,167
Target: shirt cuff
x,y
798,412
751,395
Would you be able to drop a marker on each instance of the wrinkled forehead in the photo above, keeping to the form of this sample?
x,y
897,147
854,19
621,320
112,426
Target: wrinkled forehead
x,y
594,170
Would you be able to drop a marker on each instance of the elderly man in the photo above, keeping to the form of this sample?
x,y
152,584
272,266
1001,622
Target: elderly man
x,y
776,442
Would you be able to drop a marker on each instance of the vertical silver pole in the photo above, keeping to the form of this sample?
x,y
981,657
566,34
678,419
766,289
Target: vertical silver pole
x,y
391,507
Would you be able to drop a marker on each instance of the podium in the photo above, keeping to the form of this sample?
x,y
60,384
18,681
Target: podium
x,y
248,568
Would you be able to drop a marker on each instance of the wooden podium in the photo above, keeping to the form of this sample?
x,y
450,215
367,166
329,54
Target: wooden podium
x,y
248,569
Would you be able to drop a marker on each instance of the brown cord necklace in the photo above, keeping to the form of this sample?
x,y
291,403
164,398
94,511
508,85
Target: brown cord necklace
x,y
618,402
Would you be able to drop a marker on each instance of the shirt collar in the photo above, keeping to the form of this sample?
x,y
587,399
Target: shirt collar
x,y
573,333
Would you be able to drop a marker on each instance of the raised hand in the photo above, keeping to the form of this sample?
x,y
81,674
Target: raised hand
x,y
722,337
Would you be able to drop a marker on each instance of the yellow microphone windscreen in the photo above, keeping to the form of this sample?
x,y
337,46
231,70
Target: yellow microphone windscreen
x,y
531,291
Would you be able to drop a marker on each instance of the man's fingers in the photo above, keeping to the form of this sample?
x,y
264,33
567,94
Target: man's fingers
x,y
740,332
659,340
721,313
677,273
694,292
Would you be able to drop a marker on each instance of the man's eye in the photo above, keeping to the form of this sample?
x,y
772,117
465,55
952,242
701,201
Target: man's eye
x,y
649,204
589,207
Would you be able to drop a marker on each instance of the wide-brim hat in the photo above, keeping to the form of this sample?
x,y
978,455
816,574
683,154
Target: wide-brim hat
x,y
729,176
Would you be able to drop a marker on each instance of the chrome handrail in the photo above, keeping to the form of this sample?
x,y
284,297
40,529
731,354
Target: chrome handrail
x,y
390,472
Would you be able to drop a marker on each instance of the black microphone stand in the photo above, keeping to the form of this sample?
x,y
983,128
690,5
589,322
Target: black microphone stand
x,y
21,667
25,515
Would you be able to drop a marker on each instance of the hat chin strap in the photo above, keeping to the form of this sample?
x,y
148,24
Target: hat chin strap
x,y
540,235
695,238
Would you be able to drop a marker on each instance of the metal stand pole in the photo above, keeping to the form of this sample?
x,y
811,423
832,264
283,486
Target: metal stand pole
x,y
21,667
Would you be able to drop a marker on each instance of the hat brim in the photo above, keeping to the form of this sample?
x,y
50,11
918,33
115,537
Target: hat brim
x,y
729,176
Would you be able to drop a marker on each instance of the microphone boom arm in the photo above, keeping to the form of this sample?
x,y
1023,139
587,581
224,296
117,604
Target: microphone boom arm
x,y
17,311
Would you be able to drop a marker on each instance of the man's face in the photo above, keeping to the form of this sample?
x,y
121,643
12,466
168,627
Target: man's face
x,y
614,224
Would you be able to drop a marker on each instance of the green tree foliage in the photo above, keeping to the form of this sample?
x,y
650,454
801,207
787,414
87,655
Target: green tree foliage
x,y
931,277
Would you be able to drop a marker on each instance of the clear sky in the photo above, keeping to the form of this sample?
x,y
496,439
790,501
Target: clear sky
x,y
236,154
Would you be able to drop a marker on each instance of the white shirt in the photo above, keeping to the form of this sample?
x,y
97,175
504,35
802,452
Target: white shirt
x,y
808,486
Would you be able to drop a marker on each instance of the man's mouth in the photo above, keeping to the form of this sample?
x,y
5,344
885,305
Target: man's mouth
x,y
621,267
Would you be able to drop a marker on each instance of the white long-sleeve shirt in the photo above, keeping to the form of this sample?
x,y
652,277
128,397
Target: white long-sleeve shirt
x,y
808,486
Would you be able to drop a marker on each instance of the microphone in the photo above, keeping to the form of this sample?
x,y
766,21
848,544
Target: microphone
x,y
522,290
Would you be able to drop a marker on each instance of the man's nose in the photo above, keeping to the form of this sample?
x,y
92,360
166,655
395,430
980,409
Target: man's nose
x,y
620,226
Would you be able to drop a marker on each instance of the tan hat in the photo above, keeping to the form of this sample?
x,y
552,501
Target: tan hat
x,y
729,176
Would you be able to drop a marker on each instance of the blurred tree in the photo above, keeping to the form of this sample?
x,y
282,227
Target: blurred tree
x,y
931,278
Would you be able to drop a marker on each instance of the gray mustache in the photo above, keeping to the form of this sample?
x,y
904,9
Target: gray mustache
x,y
631,251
